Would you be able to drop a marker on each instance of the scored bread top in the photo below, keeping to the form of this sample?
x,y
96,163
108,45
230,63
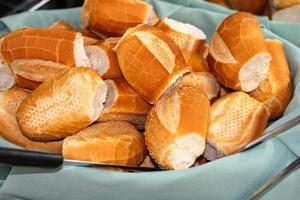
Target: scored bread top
x,y
186,36
57,45
9,128
177,125
63,105
115,17
111,142
238,56
145,46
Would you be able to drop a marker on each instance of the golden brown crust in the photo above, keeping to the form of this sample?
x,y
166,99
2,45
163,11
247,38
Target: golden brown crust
x,y
62,106
108,142
37,70
124,104
205,81
50,44
61,24
115,17
276,91
236,120
9,128
186,36
145,46
176,127
195,61
26,83
228,59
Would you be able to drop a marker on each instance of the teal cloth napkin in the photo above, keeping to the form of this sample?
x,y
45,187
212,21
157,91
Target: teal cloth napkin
x,y
233,177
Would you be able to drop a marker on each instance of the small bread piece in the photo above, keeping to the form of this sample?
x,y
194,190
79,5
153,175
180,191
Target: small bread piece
x,y
7,79
115,17
108,142
150,61
124,104
291,14
26,84
280,4
49,44
104,60
9,129
204,81
176,127
236,120
61,24
255,7
195,61
62,106
238,56
186,36
276,91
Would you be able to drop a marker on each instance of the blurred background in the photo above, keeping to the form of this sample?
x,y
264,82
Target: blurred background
x,y
9,7
282,10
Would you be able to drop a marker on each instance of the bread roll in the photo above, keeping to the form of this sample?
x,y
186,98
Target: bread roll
x,y
49,44
195,61
26,84
204,81
114,17
7,79
236,120
62,106
104,60
276,91
186,36
252,6
279,4
176,127
124,104
150,61
108,142
9,129
238,56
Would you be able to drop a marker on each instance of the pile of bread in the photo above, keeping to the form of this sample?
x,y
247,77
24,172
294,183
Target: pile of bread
x,y
130,85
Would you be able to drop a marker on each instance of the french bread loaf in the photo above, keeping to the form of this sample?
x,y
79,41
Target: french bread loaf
x,y
9,129
57,45
275,92
150,61
176,127
108,142
124,104
236,119
114,17
238,56
186,36
62,106
103,59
